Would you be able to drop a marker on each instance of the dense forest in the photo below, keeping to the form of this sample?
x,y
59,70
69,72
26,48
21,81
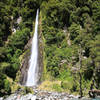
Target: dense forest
x,y
70,30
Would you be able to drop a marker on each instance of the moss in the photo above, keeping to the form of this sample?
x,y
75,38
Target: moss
x,y
45,75
18,74
50,86
16,87
41,47
4,65
66,85
22,56
57,87
28,90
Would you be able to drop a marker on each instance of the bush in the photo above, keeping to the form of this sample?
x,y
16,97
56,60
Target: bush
x,y
57,87
28,90
66,85
5,86
18,40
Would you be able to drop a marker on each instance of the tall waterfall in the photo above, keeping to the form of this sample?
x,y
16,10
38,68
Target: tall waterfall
x,y
32,78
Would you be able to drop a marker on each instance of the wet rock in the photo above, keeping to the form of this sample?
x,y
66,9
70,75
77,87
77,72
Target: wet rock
x,y
33,97
28,45
41,95
11,97
24,68
25,62
1,98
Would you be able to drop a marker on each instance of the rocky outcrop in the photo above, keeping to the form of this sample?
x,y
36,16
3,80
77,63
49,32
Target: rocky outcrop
x,y
26,56
93,93
25,63
43,95
41,49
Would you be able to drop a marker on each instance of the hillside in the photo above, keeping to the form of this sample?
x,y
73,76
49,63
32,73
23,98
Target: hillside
x,y
69,30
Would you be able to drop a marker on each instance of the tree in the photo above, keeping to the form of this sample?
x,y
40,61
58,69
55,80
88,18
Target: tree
x,y
95,55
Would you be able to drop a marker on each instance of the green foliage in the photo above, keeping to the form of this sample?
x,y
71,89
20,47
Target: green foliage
x,y
57,7
28,90
3,52
66,85
12,45
76,21
74,31
95,58
18,40
79,19
57,87
5,87
65,75
14,50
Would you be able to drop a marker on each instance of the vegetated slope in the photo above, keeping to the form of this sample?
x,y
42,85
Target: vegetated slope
x,y
12,43
71,31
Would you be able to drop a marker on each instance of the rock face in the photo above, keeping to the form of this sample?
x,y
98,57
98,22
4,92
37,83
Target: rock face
x,y
25,62
25,59
41,50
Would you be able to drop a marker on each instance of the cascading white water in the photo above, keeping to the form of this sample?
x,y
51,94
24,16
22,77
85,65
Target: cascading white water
x,y
33,62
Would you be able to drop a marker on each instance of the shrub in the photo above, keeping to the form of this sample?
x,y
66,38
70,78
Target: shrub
x,y
57,87
66,85
28,90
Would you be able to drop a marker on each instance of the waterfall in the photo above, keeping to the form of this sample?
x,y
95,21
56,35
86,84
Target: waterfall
x,y
32,78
